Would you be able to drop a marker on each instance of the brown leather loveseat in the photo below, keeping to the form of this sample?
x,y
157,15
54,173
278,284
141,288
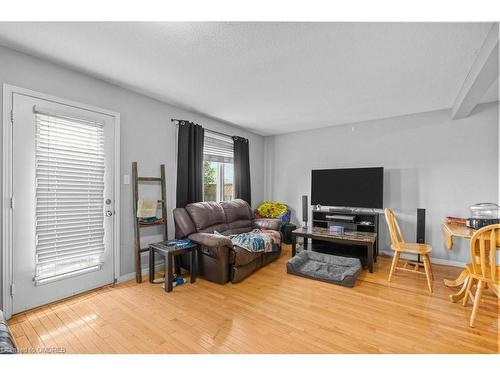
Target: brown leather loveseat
x,y
219,260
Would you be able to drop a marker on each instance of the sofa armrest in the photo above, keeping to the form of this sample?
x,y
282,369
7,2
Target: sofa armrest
x,y
218,246
272,224
210,240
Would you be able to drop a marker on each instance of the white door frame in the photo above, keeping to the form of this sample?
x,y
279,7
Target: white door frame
x,y
7,233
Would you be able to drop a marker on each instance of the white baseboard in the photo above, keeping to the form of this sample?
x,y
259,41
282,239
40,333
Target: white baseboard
x,y
127,277
445,262
145,271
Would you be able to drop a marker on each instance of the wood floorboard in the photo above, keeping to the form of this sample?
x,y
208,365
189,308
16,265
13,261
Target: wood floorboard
x,y
269,312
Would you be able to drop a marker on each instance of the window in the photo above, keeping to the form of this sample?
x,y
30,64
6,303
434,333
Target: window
x,y
69,196
218,167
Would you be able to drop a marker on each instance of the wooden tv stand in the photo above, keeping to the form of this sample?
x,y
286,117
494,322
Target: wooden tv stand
x,y
365,220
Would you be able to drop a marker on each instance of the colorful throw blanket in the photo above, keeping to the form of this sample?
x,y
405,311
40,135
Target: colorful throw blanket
x,y
256,240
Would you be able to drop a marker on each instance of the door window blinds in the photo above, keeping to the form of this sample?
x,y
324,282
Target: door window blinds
x,y
218,148
69,196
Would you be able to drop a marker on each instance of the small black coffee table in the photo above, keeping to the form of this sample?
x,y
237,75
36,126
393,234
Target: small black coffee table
x,y
168,252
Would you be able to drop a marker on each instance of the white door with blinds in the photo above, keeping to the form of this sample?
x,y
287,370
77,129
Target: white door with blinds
x,y
63,201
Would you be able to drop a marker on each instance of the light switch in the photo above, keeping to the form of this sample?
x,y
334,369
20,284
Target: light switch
x,y
126,179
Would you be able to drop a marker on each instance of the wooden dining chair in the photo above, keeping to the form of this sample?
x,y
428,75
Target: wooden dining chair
x,y
399,245
483,268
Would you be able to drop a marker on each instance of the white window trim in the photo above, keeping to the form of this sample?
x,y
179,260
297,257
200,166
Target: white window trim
x,y
220,185
6,250
220,182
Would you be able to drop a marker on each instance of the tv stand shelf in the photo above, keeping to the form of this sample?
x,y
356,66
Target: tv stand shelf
x,y
362,221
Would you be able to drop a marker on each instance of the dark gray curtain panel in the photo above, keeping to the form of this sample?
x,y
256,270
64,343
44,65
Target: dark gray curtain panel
x,y
242,188
189,163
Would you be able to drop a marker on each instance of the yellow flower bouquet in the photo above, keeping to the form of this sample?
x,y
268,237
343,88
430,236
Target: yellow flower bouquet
x,y
272,209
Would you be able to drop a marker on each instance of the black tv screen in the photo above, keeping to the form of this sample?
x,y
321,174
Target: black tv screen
x,y
349,187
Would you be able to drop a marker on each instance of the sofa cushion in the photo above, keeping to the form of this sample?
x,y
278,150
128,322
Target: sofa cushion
x,y
237,209
272,224
238,225
220,228
206,214
230,231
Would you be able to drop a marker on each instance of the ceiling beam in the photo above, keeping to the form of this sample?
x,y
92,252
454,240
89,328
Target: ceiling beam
x,y
483,73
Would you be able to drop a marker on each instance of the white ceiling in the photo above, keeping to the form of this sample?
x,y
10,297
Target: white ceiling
x,y
269,77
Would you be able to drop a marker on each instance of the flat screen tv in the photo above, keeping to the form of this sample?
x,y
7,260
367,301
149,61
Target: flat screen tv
x,y
348,187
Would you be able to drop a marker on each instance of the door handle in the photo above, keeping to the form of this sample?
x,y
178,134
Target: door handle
x,y
109,213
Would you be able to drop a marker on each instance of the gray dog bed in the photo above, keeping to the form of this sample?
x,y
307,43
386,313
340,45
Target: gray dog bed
x,y
325,267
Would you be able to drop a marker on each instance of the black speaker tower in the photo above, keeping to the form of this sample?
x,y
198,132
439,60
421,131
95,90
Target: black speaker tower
x,y
305,210
420,227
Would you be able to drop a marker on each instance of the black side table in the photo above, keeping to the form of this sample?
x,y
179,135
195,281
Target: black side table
x,y
287,233
168,252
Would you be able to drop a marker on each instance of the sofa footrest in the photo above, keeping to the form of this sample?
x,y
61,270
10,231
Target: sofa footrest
x,y
240,272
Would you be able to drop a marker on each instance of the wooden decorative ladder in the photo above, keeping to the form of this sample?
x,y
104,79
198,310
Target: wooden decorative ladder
x,y
138,225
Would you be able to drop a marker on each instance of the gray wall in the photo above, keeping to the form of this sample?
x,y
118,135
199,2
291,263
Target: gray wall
x,y
430,161
147,135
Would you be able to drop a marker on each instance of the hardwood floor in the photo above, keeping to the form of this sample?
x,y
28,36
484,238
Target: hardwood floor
x,y
269,312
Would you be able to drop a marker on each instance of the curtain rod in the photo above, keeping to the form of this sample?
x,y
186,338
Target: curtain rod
x,y
212,131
